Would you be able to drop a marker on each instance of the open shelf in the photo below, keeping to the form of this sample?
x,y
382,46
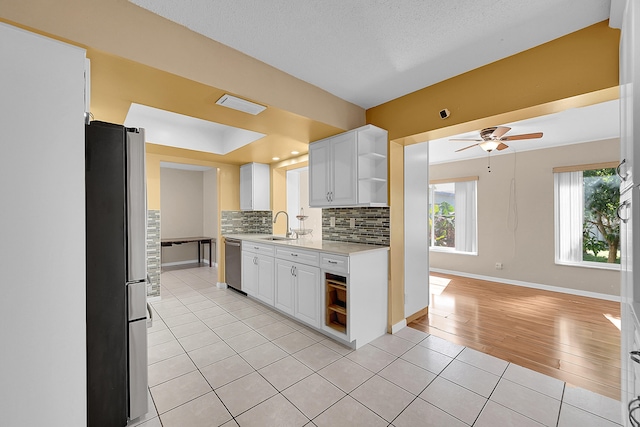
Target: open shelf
x,y
337,309
336,302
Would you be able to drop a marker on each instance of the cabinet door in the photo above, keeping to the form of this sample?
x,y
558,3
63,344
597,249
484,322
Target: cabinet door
x,y
319,169
284,297
249,273
246,201
307,307
344,171
266,289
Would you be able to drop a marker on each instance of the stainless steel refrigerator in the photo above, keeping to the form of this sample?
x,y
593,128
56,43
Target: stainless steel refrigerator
x,y
116,274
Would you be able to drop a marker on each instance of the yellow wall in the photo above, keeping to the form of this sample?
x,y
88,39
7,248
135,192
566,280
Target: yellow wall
x,y
396,250
581,62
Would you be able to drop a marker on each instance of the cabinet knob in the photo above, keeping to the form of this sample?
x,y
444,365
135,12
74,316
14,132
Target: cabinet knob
x,y
619,168
619,210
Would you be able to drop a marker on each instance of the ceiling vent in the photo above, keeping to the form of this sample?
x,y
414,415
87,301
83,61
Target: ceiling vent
x,y
239,104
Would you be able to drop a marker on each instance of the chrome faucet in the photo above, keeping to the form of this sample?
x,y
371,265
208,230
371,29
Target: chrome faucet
x,y
289,233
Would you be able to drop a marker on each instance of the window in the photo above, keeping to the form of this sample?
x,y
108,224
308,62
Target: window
x,y
453,215
586,221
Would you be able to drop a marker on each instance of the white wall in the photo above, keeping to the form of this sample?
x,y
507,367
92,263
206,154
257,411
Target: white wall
x,y
416,245
42,308
188,208
527,253
181,210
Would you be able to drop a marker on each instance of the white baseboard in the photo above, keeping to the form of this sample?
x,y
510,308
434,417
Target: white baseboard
x,y
401,324
221,285
570,291
154,299
191,261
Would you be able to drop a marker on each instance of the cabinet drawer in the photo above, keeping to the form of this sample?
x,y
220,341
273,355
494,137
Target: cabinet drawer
x,y
257,248
296,255
337,263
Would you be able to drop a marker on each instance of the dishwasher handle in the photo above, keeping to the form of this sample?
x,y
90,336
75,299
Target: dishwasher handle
x,y
232,242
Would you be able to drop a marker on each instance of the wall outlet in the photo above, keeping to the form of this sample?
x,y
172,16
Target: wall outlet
x,y
332,221
498,266
264,221
352,222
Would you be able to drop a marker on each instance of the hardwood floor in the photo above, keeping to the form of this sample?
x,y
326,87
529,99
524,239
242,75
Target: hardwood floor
x,y
568,337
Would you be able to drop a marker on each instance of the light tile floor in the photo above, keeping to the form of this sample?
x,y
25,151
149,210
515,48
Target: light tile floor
x,y
217,358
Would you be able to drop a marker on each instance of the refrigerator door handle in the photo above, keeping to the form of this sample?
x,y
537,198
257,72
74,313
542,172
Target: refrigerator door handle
x,y
136,207
137,300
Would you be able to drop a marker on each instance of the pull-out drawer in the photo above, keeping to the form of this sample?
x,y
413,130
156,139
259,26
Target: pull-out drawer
x,y
258,248
299,256
337,263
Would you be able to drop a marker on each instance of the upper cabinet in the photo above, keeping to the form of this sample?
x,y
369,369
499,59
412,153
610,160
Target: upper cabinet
x,y
254,187
349,169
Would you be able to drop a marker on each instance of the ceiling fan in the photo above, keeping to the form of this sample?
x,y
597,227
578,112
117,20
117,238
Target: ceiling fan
x,y
493,137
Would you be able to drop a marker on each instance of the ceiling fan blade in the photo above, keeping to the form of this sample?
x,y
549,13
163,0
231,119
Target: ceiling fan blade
x,y
501,146
464,140
500,130
523,136
467,147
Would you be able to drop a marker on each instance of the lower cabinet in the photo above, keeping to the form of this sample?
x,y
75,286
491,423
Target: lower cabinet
x,y
307,299
285,286
298,291
257,276
249,273
344,296
266,289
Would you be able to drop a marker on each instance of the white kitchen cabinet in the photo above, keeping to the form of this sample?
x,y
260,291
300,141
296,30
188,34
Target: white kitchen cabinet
x,y
298,291
307,298
266,289
354,296
342,294
349,169
285,286
254,187
249,273
258,271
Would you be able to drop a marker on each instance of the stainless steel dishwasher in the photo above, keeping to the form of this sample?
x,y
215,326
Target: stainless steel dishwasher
x,y
233,263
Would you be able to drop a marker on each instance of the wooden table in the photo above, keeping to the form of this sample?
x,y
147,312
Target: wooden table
x,y
200,240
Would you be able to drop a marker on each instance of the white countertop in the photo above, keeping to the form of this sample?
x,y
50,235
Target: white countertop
x,y
340,248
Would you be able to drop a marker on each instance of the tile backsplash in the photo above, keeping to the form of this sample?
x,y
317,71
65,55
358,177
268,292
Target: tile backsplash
x,y
371,225
153,252
246,222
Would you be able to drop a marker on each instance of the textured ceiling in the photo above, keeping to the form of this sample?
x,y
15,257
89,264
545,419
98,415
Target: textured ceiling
x,y
371,51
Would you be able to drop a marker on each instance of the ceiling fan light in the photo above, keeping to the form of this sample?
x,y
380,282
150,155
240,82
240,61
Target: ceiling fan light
x,y
489,145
